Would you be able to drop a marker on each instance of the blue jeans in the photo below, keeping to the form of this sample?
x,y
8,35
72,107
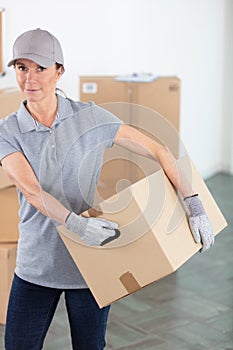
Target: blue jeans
x,y
31,309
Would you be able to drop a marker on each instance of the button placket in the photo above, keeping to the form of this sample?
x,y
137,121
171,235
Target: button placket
x,y
53,143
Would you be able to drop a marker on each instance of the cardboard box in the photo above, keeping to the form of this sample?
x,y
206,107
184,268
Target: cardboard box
x,y
153,107
9,217
102,89
7,267
162,94
10,100
155,237
4,180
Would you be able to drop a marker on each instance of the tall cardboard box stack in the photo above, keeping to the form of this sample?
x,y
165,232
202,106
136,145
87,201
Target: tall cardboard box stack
x,y
153,107
10,100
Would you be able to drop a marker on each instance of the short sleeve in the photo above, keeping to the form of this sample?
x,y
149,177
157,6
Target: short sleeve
x,y
6,149
108,125
8,145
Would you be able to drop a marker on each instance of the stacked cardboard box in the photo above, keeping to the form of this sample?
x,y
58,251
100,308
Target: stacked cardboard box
x,y
161,95
10,100
7,266
153,107
8,243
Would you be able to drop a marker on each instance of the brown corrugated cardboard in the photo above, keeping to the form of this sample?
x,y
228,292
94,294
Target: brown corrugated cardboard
x,y
10,100
155,237
154,94
4,180
101,89
9,214
154,107
7,266
162,94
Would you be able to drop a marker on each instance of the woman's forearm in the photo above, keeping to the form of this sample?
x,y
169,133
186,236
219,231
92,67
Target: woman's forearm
x,y
174,172
135,141
22,176
49,206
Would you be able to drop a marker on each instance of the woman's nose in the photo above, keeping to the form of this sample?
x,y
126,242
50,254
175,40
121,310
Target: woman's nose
x,y
30,75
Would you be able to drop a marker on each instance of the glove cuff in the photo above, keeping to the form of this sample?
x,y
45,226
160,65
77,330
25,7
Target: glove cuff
x,y
72,221
76,223
68,216
194,205
194,195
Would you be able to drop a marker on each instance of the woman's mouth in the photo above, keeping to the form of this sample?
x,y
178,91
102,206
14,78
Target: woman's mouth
x,y
31,90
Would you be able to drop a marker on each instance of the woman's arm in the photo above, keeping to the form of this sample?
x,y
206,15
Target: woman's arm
x,y
91,230
135,141
22,176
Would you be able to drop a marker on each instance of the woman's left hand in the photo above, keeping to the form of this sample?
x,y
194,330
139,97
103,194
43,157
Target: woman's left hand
x,y
199,223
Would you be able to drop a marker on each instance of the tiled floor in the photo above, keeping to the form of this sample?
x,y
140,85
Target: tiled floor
x,y
191,309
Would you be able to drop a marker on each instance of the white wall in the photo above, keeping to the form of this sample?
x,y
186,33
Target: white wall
x,y
166,37
227,116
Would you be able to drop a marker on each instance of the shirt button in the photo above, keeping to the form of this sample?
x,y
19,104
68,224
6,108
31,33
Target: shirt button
x,y
53,146
51,131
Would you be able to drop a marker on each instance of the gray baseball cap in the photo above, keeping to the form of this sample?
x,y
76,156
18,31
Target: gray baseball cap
x,y
38,45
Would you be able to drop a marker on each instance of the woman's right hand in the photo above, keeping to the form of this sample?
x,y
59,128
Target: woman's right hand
x,y
93,231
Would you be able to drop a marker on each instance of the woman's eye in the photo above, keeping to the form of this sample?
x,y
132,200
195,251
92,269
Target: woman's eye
x,y
41,69
21,68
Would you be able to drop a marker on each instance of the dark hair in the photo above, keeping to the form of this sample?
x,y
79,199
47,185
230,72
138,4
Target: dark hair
x,y
61,92
58,65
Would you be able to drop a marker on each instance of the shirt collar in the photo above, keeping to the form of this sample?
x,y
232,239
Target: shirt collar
x,y
27,123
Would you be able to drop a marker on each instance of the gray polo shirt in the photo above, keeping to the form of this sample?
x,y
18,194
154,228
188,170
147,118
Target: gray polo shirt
x,y
66,159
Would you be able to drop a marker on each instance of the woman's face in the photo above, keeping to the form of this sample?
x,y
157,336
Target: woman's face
x,y
36,82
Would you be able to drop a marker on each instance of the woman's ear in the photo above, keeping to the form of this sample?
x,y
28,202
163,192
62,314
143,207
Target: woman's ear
x,y
60,71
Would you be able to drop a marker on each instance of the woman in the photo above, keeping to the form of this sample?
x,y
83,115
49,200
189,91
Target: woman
x,y
44,145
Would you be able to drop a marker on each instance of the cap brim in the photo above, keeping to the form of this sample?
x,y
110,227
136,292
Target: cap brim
x,y
42,61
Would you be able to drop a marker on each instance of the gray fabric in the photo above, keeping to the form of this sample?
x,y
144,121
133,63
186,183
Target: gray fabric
x,y
202,231
39,46
66,159
199,223
194,205
93,231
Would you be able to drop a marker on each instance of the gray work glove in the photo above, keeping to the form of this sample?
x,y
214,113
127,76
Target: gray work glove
x,y
199,223
93,231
